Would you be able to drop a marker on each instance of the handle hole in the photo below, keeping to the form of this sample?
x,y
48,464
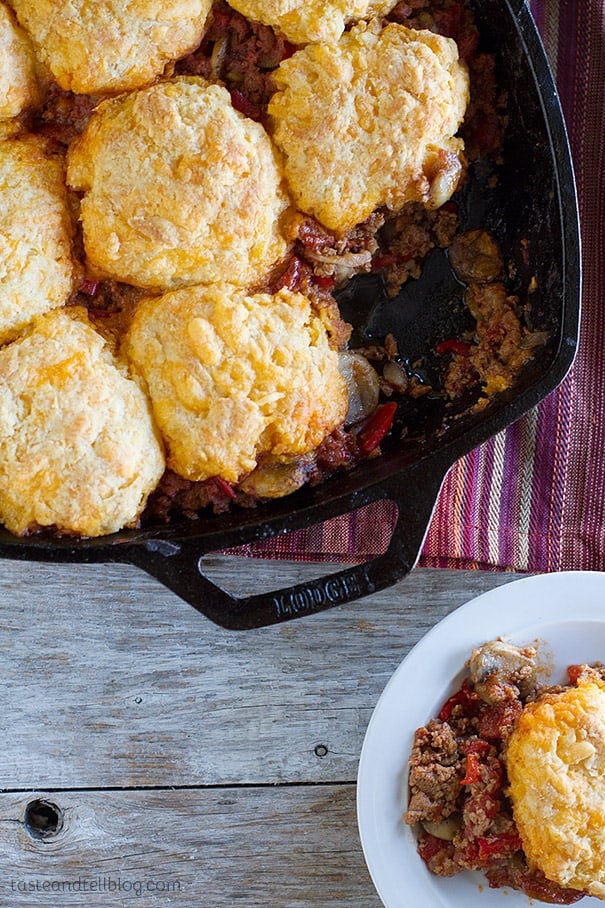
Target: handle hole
x,y
43,819
316,551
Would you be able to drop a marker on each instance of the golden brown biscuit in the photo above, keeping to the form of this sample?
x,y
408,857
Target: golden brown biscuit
x,y
78,448
556,768
19,87
112,46
232,376
304,22
179,188
36,268
370,121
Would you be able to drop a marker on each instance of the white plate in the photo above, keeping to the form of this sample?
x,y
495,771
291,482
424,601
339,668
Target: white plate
x,y
565,613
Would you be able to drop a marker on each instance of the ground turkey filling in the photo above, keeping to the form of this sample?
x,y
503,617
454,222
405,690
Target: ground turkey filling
x,y
241,55
458,781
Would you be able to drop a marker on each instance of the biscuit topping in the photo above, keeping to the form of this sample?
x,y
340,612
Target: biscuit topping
x,y
370,121
233,377
111,46
179,189
556,767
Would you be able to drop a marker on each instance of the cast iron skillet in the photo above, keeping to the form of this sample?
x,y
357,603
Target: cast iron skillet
x,y
534,201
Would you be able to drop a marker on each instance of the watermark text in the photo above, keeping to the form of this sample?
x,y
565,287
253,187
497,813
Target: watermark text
x,y
117,884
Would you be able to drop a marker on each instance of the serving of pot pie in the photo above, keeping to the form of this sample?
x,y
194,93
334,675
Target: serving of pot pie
x,y
202,180
508,778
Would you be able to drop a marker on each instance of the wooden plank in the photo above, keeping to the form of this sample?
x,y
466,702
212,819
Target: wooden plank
x,y
109,680
275,847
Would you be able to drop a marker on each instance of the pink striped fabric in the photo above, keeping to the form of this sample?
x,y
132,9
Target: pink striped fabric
x,y
533,497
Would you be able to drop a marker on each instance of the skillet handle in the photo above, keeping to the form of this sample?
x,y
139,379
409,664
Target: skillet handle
x,y
178,565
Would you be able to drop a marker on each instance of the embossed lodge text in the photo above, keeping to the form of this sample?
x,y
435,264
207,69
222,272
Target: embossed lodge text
x,y
333,591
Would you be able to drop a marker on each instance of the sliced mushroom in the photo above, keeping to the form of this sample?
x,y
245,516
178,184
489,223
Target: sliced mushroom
x,y
276,479
444,829
445,181
501,671
475,256
342,266
219,54
363,385
395,376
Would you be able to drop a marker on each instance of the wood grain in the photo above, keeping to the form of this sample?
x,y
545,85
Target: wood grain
x,y
109,680
193,766
295,847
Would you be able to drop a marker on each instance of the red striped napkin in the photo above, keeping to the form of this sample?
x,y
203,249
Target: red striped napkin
x,y
533,498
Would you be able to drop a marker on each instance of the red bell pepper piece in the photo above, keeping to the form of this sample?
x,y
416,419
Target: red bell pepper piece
x,y
245,105
289,50
324,282
497,718
429,846
499,846
90,287
376,427
225,487
465,697
473,770
574,672
292,277
451,345
476,746
383,261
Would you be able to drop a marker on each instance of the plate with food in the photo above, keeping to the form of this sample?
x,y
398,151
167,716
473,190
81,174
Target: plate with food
x,y
481,774
288,260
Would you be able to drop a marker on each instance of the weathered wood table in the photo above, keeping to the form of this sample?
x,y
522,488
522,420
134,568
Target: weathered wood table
x,y
150,758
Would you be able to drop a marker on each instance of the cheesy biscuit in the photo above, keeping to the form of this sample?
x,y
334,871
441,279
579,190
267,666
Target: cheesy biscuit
x,y
370,121
179,188
78,449
36,267
111,46
232,376
304,22
556,767
19,87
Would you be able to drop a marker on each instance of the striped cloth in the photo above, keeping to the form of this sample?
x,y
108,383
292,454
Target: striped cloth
x,y
533,497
